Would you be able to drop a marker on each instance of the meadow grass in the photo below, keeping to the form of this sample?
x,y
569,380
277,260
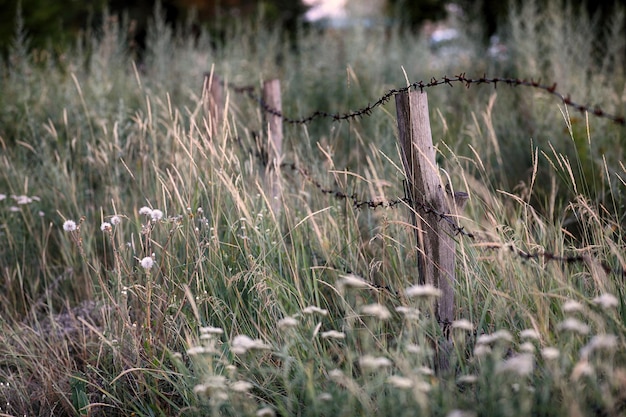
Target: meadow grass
x,y
145,271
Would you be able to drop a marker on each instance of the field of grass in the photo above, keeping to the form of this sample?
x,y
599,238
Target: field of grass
x,y
146,270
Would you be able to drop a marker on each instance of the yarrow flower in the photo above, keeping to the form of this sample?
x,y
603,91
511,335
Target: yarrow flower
x,y
241,386
529,334
522,364
147,263
315,310
352,281
211,330
242,343
265,412
572,306
115,220
400,381
69,226
106,227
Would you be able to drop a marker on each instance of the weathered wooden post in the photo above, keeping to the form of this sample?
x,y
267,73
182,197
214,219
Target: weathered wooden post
x,y
272,99
213,98
435,243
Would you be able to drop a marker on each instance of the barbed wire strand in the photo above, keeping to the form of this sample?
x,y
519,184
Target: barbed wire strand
x,y
250,91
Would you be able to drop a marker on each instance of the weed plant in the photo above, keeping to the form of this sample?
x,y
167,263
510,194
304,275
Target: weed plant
x,y
146,269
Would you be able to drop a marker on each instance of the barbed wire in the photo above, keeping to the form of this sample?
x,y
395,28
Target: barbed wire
x,y
250,91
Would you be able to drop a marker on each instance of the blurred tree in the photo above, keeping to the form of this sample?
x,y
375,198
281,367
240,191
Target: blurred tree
x,y
413,13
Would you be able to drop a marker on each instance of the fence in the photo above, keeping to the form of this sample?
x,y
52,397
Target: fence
x,y
434,208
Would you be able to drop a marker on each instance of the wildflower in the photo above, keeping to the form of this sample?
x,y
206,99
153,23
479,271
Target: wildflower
x,y
115,220
582,368
572,306
211,330
199,350
527,347
500,335
242,343
352,281
379,311
333,334
481,350
241,386
69,226
147,211
147,263
315,310
529,334
374,362
425,370
599,342
606,301
3,196
425,291
287,322
156,215
409,313
265,412
550,353
522,364
400,382
467,379
213,385
325,396
463,324
106,227
22,199
461,413
573,325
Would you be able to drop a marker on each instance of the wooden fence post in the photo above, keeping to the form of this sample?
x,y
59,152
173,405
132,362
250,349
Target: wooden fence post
x,y
272,98
435,244
213,95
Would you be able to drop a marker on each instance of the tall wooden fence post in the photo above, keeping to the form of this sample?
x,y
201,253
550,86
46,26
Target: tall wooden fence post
x,y
213,95
435,244
272,98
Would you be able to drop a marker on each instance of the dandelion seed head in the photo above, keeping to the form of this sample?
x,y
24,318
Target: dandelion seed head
x,y
156,215
147,211
606,301
69,226
377,310
147,263
106,227
422,291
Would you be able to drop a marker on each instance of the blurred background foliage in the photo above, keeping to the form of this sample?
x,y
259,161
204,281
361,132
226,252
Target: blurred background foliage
x,y
55,24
